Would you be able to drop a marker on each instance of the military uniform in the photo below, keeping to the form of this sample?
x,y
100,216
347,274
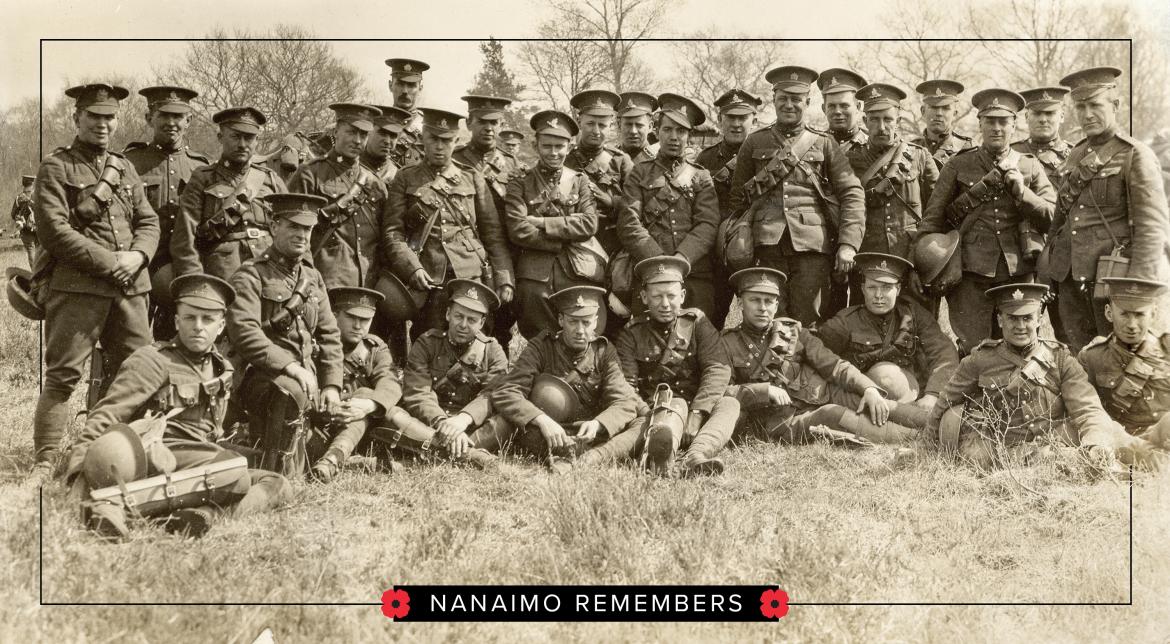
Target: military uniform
x,y
73,276
1110,196
390,121
408,149
24,221
945,148
281,316
634,105
1051,154
606,167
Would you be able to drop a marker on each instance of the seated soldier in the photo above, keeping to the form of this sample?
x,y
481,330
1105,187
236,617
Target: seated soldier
x,y
184,382
369,387
788,382
1008,393
445,384
677,347
1131,368
896,342
591,400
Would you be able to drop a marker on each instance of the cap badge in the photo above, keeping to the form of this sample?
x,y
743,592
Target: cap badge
x,y
794,76
1017,295
874,93
600,102
1045,96
884,265
995,101
938,91
554,123
173,96
471,293
443,123
102,95
581,300
661,269
407,67
1132,289
832,80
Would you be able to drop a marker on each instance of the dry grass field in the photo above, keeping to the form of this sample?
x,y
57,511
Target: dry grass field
x,y
825,524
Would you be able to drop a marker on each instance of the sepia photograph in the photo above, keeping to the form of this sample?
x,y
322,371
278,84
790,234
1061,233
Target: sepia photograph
x,y
585,321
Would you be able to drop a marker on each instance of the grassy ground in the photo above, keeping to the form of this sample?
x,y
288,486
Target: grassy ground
x,y
827,525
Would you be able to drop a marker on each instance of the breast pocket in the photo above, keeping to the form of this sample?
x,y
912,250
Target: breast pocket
x,y
1108,187
864,341
153,190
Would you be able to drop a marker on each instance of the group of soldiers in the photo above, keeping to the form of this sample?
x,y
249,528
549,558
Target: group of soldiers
x,y
369,294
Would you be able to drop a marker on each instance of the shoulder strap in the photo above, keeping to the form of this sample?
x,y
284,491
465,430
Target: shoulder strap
x,y
474,356
882,161
565,186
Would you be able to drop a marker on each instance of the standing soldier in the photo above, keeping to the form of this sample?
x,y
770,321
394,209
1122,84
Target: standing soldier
x,y
446,381
509,141
24,221
634,112
287,157
584,369
809,209
938,109
1044,112
282,326
406,83
1130,369
98,233
348,247
606,167
484,116
677,347
551,218
895,342
842,108
1110,202
165,165
671,207
441,223
223,219
185,381
788,382
377,156
737,117
987,194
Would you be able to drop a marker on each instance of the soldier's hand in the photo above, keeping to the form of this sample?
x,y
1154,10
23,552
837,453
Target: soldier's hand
x,y
305,378
554,435
601,196
421,280
505,292
1015,182
451,428
926,402
778,396
535,222
459,445
126,266
845,258
330,398
879,409
588,431
356,409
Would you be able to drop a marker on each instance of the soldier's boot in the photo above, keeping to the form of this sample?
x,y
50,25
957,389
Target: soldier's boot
x,y
193,522
620,447
559,465
108,521
658,452
49,422
700,459
328,465
266,491
909,415
891,433
481,459
493,435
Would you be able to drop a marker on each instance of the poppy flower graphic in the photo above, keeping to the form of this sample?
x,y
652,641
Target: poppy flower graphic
x,y
774,603
395,603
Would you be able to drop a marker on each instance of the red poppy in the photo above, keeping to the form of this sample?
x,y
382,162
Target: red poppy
x,y
395,603
774,603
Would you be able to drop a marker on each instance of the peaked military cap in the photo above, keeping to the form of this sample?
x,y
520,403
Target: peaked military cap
x,y
202,291
1088,82
473,295
166,98
793,79
354,299
1133,290
578,300
442,123
296,207
664,268
839,79
890,269
98,98
881,96
595,102
997,102
392,119
27,179
636,104
758,278
1041,97
360,116
248,120
553,123
737,101
510,135
681,110
1018,299
940,91
407,69
489,107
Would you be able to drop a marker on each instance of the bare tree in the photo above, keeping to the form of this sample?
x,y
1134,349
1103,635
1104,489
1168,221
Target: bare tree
x,y
620,26
561,64
706,68
1044,58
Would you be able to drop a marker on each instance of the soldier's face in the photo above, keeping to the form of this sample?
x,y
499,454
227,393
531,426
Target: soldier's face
x,y
1020,329
348,140
997,131
880,297
1097,114
354,326
95,129
577,330
437,150
168,127
593,129
463,323
237,146
1131,321
789,107
882,126
289,238
197,327
635,130
841,109
735,127
1044,123
552,150
484,131
663,300
511,146
939,118
758,308
381,143
405,92
672,138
